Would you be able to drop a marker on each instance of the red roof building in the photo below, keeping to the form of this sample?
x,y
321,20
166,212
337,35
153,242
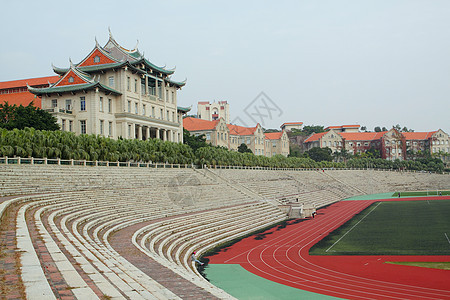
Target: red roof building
x,y
218,133
391,144
16,92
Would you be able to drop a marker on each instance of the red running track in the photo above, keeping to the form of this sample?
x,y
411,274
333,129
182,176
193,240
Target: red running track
x,y
282,256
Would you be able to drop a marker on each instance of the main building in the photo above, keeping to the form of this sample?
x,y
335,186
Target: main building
x,y
115,92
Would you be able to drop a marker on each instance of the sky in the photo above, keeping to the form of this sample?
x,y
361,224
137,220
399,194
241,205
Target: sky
x,y
320,62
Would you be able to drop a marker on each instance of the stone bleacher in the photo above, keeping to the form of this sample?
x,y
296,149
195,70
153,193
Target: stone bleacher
x,y
72,220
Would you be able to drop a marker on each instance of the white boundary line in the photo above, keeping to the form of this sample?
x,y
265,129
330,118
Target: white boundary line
x,y
352,227
447,237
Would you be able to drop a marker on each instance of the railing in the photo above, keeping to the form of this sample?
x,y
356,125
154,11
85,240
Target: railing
x,y
86,163
72,162
61,110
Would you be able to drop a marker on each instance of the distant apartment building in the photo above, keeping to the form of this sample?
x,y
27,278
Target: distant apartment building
x,y
218,133
344,128
288,126
213,111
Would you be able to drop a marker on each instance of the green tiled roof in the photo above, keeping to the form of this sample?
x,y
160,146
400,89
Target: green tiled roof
x,y
152,66
178,83
73,88
96,68
183,109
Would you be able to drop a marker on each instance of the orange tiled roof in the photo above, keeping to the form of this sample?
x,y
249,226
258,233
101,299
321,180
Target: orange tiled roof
x,y
418,135
194,124
241,130
18,99
315,137
203,102
273,135
362,136
30,81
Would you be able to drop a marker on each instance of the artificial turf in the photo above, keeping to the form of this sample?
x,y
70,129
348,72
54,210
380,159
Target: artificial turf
x,y
392,228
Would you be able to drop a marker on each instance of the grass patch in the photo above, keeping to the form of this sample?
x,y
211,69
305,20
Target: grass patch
x,y
392,228
432,265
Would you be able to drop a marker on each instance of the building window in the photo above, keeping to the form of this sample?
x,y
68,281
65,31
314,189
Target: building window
x,y
54,103
135,108
83,126
109,105
110,129
167,96
173,116
70,125
208,136
111,81
97,59
68,104
101,126
71,79
129,130
153,111
162,114
143,109
129,106
167,115
135,85
82,103
128,83
63,126
173,97
101,104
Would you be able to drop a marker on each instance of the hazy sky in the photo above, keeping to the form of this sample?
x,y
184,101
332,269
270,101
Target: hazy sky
x,y
379,62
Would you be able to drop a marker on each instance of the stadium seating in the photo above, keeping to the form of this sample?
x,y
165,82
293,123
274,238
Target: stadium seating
x,y
76,211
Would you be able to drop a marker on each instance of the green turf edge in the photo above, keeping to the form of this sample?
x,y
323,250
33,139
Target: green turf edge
x,y
421,193
423,264
230,278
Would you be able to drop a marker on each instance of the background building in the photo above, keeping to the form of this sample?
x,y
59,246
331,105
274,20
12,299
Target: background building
x,y
218,133
213,111
391,144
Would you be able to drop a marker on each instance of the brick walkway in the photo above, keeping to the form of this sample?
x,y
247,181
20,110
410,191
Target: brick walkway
x,y
121,242
11,286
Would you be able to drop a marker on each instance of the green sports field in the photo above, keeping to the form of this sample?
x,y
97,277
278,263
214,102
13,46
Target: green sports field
x,y
392,228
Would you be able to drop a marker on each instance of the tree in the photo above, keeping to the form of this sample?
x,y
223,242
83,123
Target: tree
x,y
377,129
21,117
364,128
193,141
320,154
244,149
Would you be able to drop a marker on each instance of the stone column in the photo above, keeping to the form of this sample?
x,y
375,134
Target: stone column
x,y
139,130
157,133
147,133
164,135
146,86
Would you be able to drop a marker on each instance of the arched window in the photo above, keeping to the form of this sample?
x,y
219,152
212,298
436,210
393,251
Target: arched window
x,y
71,79
97,59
